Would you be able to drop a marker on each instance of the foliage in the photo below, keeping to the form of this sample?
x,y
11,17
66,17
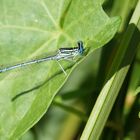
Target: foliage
x,y
98,97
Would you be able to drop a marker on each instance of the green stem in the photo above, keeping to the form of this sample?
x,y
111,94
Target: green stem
x,y
121,63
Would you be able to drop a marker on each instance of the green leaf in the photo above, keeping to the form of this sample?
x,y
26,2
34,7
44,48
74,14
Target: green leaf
x,y
35,27
118,69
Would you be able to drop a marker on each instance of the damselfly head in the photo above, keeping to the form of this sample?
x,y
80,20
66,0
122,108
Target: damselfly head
x,y
80,47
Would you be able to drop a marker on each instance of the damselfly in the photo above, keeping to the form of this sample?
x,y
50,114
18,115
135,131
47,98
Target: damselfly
x,y
62,53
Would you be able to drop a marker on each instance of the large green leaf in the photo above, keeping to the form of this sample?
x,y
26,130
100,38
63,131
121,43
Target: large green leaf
x,y
34,27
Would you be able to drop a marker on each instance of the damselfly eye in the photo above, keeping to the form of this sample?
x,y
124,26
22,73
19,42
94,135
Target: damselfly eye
x,y
80,47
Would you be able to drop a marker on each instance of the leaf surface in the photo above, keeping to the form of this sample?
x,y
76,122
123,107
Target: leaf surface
x,y
31,28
